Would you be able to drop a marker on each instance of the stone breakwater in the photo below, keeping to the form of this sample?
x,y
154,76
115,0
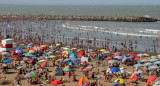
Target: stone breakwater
x,y
77,18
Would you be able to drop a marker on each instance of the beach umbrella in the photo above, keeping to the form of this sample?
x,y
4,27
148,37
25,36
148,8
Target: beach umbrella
x,y
90,50
23,67
113,61
151,79
115,70
148,64
124,59
50,53
67,74
41,61
12,51
52,56
65,48
108,59
146,54
107,52
120,80
158,62
153,57
67,60
7,61
103,50
153,67
140,55
58,62
18,49
32,51
32,55
121,57
153,60
21,45
56,82
77,60
137,58
86,84
5,53
43,64
29,46
144,60
81,53
87,69
104,54
16,56
139,71
78,50
131,54
157,83
58,45
116,84
138,65
132,57
4,65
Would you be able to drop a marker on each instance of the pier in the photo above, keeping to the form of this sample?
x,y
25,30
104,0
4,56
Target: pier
x,y
76,18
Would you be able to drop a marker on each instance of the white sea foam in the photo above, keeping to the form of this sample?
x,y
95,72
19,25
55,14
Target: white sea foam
x,y
113,31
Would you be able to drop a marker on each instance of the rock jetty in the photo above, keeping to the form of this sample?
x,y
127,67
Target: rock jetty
x,y
77,18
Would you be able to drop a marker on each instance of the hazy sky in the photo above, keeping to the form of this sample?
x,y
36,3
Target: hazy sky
x,y
82,2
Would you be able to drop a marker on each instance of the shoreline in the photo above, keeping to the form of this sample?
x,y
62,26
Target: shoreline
x,y
14,17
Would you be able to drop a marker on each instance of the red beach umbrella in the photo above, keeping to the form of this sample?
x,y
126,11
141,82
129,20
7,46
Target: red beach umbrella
x,y
107,60
56,82
132,54
16,56
151,79
137,58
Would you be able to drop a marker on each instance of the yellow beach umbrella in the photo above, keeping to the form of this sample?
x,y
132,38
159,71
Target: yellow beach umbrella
x,y
103,50
146,54
31,51
52,56
120,80
153,57
78,50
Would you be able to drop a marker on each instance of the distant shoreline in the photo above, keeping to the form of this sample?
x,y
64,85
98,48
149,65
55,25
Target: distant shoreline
x,y
12,17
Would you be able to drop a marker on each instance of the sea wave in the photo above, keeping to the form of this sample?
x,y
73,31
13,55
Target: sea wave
x,y
101,29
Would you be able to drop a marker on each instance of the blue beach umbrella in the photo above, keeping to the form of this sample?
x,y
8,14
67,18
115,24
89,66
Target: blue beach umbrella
x,y
115,70
90,50
29,46
7,61
116,84
18,48
104,54
121,57
70,63
77,60
124,59
67,60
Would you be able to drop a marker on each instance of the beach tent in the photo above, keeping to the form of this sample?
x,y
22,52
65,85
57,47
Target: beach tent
x,y
59,72
73,55
66,69
82,81
98,57
84,59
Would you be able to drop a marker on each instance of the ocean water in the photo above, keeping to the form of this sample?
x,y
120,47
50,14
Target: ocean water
x,y
148,11
142,32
